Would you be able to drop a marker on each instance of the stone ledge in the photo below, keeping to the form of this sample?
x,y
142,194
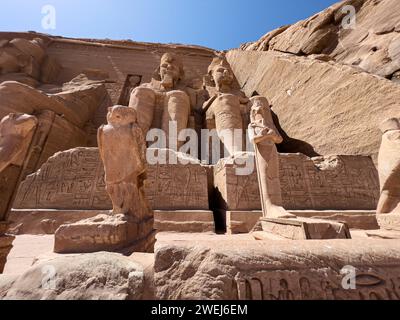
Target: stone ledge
x,y
276,270
244,221
184,221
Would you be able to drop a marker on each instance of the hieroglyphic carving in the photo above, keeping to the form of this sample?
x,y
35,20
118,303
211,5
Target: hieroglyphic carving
x,y
317,285
336,182
74,179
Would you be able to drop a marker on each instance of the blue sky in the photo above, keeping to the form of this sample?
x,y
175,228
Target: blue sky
x,y
218,24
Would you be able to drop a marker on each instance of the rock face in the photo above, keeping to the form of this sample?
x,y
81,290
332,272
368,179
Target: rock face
x,y
323,108
277,270
98,276
372,43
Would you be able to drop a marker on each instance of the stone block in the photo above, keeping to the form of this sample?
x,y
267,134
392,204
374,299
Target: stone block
x,y
184,221
305,228
244,221
105,233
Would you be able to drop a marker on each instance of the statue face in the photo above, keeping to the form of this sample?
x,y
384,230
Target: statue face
x,y
169,71
120,115
222,76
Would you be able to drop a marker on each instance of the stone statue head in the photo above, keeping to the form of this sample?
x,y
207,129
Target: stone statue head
x,y
170,71
121,115
17,124
390,125
221,73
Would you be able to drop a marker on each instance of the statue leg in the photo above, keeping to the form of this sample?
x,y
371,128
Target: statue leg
x,y
388,203
176,108
143,100
229,123
117,197
268,175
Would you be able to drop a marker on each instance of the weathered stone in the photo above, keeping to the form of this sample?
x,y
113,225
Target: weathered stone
x,y
97,276
106,233
184,221
372,43
5,245
74,180
389,168
305,228
76,105
16,133
321,183
244,221
323,108
39,222
276,270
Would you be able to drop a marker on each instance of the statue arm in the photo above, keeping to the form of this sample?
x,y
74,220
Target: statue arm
x,y
208,103
138,134
100,140
265,129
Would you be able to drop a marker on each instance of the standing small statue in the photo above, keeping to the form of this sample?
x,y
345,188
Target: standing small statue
x,y
264,136
389,167
123,151
14,131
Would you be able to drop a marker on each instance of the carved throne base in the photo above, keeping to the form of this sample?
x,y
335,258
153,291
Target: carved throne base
x,y
106,233
303,229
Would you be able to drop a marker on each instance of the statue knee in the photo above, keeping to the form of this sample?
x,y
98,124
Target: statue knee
x,y
178,97
142,96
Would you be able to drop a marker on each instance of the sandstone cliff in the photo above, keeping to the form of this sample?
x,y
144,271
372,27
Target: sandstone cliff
x,y
372,44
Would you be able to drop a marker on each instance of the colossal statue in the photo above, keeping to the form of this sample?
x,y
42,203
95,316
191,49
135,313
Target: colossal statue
x,y
26,61
389,167
164,100
264,136
225,106
123,151
14,131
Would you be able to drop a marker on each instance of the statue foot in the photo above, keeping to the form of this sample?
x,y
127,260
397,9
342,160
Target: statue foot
x,y
396,210
278,212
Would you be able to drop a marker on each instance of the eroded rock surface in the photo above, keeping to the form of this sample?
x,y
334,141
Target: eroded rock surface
x,y
97,276
371,42
276,270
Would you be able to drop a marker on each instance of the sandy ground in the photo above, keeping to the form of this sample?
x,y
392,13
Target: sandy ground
x,y
25,249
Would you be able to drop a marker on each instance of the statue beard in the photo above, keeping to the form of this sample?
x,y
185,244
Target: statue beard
x,y
167,81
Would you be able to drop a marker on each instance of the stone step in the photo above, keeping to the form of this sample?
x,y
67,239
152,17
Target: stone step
x,y
244,221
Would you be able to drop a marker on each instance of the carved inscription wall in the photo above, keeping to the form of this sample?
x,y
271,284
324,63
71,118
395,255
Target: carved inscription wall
x,y
319,285
323,183
357,269
74,180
